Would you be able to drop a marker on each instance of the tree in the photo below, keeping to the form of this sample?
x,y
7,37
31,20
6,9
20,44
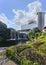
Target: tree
x,y
3,29
11,31
34,33
35,30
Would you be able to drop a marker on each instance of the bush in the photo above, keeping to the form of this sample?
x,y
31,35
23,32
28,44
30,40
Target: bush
x,y
1,38
34,33
24,61
10,52
33,53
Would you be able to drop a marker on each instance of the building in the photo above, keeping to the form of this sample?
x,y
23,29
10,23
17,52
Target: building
x,y
32,24
15,35
41,20
11,34
24,31
22,36
27,27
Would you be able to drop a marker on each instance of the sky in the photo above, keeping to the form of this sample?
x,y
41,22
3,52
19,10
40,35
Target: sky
x,y
15,13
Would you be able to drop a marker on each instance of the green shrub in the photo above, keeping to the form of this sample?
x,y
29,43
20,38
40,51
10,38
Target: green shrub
x,y
24,61
10,52
31,53
23,47
36,63
34,34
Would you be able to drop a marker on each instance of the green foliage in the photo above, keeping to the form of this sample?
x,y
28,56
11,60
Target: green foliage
x,y
24,61
10,52
41,43
35,63
21,54
31,53
36,30
31,35
34,33
1,38
2,24
23,47
3,29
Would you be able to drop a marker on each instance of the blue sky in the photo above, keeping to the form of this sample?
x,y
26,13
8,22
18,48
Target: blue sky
x,y
7,6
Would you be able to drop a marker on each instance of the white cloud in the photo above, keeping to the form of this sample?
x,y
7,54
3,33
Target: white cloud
x,y
34,6
19,17
5,20
22,17
8,22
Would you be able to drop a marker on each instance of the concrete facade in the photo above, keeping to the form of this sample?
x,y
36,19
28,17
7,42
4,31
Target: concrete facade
x,y
41,16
